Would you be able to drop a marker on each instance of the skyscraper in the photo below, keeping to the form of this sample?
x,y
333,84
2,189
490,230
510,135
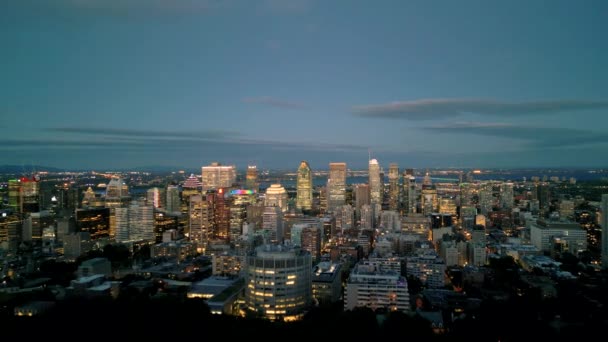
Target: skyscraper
x,y
251,180
604,230
506,195
336,186
375,183
156,197
217,176
272,224
199,224
304,187
276,195
394,192
409,191
173,202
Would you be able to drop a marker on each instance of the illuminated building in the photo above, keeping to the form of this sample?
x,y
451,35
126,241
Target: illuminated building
x,y
566,209
447,206
375,183
367,217
428,267
24,194
251,178
327,282
89,198
163,222
117,193
375,286
35,225
272,224
173,250
278,282
543,231
304,187
336,186
94,221
221,213
276,195
409,191
345,217
390,221
428,197
486,198
311,240
200,221
135,223
226,264
217,176
394,193
11,226
361,193
604,224
238,213
156,197
506,195
173,204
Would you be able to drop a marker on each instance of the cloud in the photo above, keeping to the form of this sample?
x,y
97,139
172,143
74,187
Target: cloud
x,y
134,133
535,136
274,102
429,109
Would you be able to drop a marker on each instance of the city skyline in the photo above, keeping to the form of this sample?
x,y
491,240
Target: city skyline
x,y
183,83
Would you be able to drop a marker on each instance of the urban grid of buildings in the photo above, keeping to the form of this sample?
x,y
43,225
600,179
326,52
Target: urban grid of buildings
x,y
277,251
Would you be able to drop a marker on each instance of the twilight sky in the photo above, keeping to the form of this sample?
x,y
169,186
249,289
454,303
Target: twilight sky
x,y
109,84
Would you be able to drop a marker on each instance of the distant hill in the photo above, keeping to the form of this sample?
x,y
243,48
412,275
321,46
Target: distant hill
x,y
26,169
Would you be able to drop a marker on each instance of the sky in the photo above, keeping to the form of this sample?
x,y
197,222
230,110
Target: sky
x,y
118,84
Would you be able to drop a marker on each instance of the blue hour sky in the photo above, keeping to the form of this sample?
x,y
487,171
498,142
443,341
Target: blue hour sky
x,y
109,84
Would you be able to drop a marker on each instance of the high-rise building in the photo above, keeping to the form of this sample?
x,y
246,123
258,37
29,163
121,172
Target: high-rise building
x,y
173,202
117,193
11,226
375,183
304,187
156,197
361,196
251,178
345,217
327,282
272,224
276,195
604,223
544,196
486,198
217,176
278,282
336,186
542,233
409,192
94,221
429,202
506,196
121,224
141,222
367,217
221,213
311,241
200,221
394,190
238,214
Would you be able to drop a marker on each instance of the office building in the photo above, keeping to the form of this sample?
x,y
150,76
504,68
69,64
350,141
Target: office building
x,y
410,193
276,195
375,183
11,230
178,250
506,196
311,240
272,224
394,188
251,178
217,176
200,221
156,197
304,187
172,200
428,267
336,186
94,221
117,193
278,282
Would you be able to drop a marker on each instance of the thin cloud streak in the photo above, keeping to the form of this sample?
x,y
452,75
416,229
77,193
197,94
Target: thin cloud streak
x,y
130,133
557,137
438,108
274,102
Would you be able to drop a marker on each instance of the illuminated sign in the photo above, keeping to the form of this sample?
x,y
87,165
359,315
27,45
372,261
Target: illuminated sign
x,y
241,192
